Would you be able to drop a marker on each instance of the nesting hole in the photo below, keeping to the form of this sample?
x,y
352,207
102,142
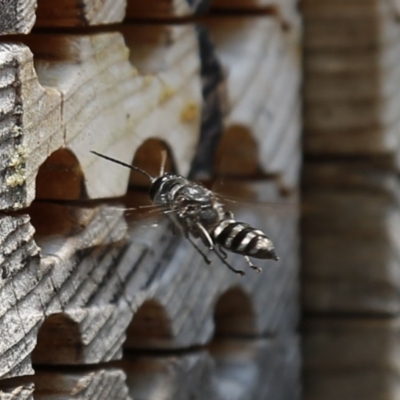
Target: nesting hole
x,y
148,157
234,314
59,341
60,177
232,352
150,327
237,154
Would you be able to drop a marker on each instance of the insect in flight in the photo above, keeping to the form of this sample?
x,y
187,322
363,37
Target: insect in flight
x,y
198,213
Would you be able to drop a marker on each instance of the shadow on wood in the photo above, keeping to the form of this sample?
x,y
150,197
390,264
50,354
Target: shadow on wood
x,y
149,326
58,342
60,177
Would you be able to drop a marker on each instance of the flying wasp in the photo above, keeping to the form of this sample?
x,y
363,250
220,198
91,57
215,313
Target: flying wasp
x,y
198,213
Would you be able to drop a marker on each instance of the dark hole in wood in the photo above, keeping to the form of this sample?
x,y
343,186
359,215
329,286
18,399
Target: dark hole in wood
x,y
149,158
60,177
150,327
234,315
59,342
237,153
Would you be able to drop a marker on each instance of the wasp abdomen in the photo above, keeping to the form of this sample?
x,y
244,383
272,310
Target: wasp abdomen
x,y
241,238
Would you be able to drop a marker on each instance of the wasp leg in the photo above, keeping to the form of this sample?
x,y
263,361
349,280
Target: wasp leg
x,y
229,215
207,239
206,259
223,254
236,271
251,265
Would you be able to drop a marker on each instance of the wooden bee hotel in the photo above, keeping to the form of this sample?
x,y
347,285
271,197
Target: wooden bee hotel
x,y
135,281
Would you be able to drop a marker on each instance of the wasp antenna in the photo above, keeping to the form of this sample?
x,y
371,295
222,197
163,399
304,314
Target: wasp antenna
x,y
152,179
163,162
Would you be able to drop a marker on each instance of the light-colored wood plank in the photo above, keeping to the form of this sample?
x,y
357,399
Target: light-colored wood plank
x,y
162,9
351,248
16,390
73,13
17,16
109,106
94,383
355,358
88,288
263,91
285,9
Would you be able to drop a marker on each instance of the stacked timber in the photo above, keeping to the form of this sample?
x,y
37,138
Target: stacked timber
x,y
350,230
100,297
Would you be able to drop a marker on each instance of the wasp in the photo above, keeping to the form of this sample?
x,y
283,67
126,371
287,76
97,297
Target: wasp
x,y
197,211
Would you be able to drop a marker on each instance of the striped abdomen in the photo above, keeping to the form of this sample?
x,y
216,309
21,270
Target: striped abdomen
x,y
241,238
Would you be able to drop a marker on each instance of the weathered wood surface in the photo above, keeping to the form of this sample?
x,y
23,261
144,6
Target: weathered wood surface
x,y
17,16
263,80
83,383
350,262
285,10
88,91
89,287
213,79
90,383
20,16
230,369
74,13
351,75
161,9
16,390
352,358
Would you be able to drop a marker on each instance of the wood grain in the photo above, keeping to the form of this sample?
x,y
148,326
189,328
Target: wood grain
x,y
94,383
17,16
351,247
354,357
74,13
89,288
83,104
162,9
263,95
351,75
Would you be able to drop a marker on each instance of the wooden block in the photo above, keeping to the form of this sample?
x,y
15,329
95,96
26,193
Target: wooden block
x,y
167,89
267,68
237,369
88,288
89,383
285,9
257,369
172,376
214,106
16,390
355,358
73,13
138,9
341,9
17,16
359,344
350,254
347,385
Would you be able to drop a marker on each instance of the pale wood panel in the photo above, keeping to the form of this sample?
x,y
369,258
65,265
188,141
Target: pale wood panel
x,y
109,106
16,391
81,292
17,16
350,255
351,358
162,9
74,13
263,81
20,16
99,383
351,75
